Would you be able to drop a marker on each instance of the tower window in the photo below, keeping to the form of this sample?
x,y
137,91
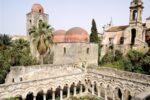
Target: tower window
x,y
30,21
134,17
64,50
87,50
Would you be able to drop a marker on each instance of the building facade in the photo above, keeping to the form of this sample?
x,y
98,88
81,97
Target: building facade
x,y
69,46
126,37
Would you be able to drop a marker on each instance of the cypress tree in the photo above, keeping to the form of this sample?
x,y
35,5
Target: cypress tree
x,y
94,33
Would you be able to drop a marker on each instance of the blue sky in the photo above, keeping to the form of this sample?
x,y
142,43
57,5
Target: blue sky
x,y
64,14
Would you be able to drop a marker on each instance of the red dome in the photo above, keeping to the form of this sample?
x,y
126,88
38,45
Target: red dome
x,y
77,34
37,8
59,36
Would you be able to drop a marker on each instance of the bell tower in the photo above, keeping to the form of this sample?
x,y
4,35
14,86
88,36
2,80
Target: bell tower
x,y
35,16
136,10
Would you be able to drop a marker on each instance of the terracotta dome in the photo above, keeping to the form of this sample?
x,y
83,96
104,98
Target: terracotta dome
x,y
37,8
59,36
77,34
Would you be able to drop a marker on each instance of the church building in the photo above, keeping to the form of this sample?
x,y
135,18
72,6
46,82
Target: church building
x,y
127,37
70,46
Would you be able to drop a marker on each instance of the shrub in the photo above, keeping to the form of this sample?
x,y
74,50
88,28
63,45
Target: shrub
x,y
118,55
108,58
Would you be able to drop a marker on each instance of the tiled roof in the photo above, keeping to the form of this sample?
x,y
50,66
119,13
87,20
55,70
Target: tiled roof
x,y
148,18
117,28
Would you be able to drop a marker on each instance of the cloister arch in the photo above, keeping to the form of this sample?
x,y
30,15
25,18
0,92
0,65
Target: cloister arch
x,y
40,95
118,93
30,90
49,94
29,96
127,94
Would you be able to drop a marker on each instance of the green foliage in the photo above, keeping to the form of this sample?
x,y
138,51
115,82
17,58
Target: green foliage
x,y
135,58
134,61
108,58
41,37
118,55
14,53
4,41
94,34
146,64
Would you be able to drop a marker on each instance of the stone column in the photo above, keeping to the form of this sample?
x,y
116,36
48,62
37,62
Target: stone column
x,y
53,95
93,89
86,88
113,98
122,97
34,97
81,89
61,94
68,92
74,91
99,91
106,94
44,96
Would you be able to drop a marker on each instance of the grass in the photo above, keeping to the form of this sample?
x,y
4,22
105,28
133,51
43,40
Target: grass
x,y
116,65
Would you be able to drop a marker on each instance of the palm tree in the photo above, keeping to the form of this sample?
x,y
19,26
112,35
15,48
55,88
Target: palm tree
x,y
41,38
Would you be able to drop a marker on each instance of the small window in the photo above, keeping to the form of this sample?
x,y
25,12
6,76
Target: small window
x,y
40,11
122,40
30,21
87,50
20,78
13,80
110,41
64,50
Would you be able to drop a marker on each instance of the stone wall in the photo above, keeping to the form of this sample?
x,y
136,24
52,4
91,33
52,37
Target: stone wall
x,y
29,73
75,52
122,74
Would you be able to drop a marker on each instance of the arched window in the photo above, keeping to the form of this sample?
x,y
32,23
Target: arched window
x,y
134,17
87,50
64,50
133,36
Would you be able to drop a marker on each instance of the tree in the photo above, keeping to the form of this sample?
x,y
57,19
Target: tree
x,y
5,41
94,34
41,37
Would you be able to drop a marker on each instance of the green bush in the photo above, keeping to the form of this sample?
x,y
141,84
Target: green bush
x,y
108,58
134,61
13,53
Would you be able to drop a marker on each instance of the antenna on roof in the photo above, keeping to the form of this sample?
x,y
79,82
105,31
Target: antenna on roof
x,y
111,22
